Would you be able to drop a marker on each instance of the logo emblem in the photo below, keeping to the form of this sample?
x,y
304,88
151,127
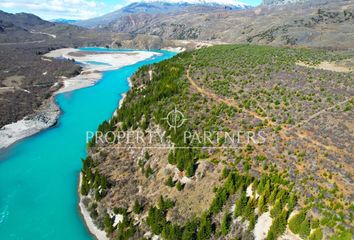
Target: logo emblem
x,y
175,119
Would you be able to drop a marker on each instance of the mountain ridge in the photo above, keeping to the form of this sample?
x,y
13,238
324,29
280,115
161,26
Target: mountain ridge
x,y
154,8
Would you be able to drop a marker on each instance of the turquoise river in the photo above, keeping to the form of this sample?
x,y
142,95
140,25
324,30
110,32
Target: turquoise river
x,y
39,175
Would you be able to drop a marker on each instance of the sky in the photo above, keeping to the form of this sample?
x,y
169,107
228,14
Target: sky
x,y
71,9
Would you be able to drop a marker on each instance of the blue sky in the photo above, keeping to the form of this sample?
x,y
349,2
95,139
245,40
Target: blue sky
x,y
71,9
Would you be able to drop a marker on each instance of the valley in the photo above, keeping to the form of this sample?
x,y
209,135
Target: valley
x,y
169,120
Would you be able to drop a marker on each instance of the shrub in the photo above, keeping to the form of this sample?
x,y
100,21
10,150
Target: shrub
x,y
316,235
137,208
295,222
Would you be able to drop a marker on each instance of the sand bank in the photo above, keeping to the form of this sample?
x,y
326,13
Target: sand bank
x,y
94,63
30,125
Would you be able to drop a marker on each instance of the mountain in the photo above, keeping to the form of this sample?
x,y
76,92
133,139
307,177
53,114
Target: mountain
x,y
316,23
232,3
154,8
21,20
281,2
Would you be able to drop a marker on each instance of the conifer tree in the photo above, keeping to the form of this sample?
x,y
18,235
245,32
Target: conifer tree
x,y
276,209
240,204
205,228
252,222
225,224
170,182
137,208
190,230
262,207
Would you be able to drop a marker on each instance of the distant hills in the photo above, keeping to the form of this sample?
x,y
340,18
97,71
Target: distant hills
x,y
21,20
155,24
315,23
152,8
281,2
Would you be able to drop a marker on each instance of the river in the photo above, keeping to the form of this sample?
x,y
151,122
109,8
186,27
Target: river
x,y
39,175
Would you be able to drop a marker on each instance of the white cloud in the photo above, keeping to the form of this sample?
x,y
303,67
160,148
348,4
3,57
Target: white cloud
x,y
50,9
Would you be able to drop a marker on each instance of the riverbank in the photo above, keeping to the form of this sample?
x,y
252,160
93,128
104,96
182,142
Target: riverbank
x,y
85,214
44,118
94,64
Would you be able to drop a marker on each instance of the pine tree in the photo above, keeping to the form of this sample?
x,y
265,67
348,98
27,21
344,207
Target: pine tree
x,y
292,202
98,196
137,208
252,222
190,230
273,196
190,169
156,220
249,209
179,186
170,182
206,227
240,204
262,207
225,224
278,227
84,187
108,223
276,209
171,158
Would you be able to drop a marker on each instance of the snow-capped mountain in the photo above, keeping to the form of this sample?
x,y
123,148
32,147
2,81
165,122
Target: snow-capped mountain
x,y
281,2
154,7
231,3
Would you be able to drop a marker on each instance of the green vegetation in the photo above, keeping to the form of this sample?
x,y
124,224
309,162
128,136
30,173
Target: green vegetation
x,y
238,88
225,224
137,208
316,235
300,224
92,181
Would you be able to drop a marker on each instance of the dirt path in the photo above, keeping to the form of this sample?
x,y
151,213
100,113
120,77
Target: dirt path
x,y
218,99
43,33
282,133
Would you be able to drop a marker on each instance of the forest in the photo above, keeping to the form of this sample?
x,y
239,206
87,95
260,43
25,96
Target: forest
x,y
292,177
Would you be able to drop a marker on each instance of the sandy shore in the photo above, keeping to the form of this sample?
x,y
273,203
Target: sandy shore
x,y
94,63
99,234
46,117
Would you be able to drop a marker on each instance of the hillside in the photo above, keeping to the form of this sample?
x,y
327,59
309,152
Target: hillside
x,y
157,8
281,2
263,139
316,23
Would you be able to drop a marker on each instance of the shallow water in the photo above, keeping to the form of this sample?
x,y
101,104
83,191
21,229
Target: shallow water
x,y
39,175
